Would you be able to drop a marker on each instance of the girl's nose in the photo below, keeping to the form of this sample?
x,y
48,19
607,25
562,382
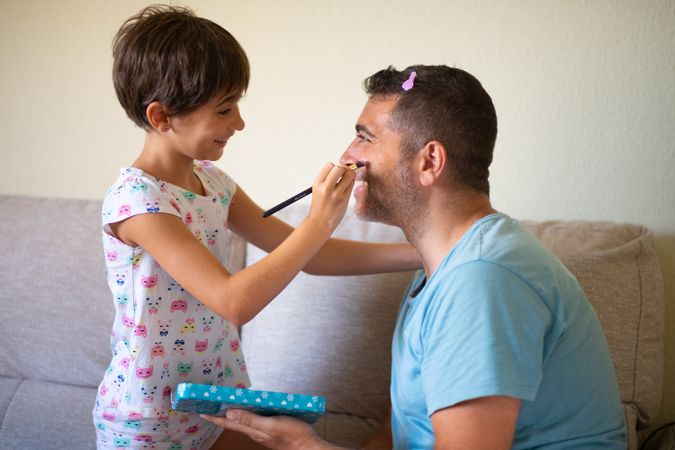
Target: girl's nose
x,y
239,124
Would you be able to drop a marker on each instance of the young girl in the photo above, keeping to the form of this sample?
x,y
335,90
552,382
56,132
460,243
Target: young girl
x,y
180,77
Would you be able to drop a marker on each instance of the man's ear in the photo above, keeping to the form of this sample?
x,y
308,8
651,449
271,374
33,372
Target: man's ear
x,y
157,116
433,161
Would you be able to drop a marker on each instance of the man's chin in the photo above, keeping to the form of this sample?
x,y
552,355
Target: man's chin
x,y
368,214
361,216
362,211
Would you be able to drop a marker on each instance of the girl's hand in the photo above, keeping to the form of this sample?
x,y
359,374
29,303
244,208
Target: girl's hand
x,y
330,195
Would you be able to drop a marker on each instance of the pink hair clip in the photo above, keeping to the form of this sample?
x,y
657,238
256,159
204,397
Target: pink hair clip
x,y
408,84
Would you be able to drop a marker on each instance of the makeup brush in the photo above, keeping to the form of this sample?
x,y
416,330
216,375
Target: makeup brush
x,y
305,193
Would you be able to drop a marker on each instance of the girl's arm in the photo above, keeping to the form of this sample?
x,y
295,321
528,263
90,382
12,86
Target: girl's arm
x,y
240,296
336,256
343,257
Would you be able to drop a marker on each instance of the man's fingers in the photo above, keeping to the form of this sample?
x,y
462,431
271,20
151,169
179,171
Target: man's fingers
x,y
251,420
236,422
277,432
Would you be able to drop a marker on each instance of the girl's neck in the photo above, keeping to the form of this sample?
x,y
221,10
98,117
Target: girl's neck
x,y
168,166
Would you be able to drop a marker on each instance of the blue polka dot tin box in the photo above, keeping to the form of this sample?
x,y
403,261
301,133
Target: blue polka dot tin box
x,y
215,400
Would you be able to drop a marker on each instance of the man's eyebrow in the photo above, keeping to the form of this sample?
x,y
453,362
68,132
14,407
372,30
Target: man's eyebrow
x,y
364,130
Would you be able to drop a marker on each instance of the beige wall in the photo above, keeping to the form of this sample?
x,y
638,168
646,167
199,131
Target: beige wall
x,y
585,93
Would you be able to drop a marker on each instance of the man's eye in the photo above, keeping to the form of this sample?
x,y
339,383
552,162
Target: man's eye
x,y
361,138
224,112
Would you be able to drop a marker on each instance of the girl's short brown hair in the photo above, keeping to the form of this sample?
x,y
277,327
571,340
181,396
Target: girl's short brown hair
x,y
169,55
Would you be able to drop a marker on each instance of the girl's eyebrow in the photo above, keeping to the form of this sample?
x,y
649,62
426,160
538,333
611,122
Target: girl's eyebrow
x,y
362,129
230,99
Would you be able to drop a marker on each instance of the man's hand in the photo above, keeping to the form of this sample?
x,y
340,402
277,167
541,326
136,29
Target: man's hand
x,y
279,432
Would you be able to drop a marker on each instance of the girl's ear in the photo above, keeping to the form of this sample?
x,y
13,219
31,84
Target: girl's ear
x,y
432,163
157,116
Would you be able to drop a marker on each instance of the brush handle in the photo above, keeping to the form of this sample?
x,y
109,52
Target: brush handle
x,y
304,193
285,203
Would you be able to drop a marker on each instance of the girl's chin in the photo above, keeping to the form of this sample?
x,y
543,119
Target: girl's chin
x,y
215,154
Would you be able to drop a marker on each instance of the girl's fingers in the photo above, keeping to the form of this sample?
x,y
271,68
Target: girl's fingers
x,y
347,180
334,175
323,173
339,177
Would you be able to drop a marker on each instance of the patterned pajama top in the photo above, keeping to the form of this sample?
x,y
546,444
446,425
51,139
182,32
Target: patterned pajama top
x,y
162,335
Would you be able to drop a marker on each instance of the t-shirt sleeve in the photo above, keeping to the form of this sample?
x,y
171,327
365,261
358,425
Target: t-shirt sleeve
x,y
483,336
135,195
219,182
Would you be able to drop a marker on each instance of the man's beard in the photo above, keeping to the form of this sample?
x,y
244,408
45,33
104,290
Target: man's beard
x,y
394,199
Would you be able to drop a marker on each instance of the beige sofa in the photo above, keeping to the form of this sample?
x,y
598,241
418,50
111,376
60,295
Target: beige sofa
x,y
323,335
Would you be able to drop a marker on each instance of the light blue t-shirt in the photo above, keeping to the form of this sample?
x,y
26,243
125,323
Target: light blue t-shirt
x,y
502,316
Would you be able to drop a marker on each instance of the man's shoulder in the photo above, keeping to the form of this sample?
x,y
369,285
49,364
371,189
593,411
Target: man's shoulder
x,y
502,257
504,242
495,239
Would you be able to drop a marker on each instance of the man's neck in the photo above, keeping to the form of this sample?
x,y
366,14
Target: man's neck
x,y
443,226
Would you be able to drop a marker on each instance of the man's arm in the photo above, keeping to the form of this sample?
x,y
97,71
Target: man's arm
x,y
486,423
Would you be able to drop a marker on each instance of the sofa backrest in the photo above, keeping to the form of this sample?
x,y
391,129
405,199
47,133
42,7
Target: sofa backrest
x,y
56,309
619,270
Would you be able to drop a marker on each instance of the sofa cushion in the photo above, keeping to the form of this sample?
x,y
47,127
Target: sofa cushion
x,y
8,387
45,416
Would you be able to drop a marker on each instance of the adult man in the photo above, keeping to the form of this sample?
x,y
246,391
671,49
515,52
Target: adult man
x,y
496,345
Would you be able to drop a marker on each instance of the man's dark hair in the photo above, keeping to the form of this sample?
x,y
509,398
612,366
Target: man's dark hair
x,y
447,105
169,55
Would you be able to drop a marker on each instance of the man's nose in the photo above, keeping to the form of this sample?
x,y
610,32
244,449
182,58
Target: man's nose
x,y
347,156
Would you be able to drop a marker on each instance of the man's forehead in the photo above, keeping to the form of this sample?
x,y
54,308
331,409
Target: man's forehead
x,y
377,111
382,103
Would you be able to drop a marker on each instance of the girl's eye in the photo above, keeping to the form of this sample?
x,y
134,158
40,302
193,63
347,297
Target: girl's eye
x,y
225,112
